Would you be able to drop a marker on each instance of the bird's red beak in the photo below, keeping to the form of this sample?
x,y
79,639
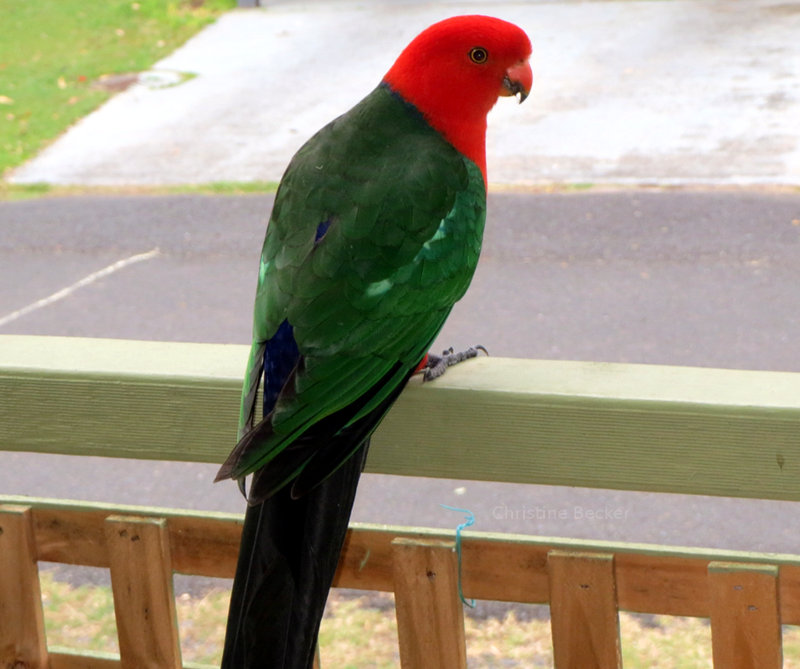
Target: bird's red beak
x,y
518,80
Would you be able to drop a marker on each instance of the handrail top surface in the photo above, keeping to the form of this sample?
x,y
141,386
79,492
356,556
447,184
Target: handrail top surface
x,y
77,356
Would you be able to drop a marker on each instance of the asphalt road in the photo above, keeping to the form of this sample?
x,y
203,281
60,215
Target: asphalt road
x,y
671,277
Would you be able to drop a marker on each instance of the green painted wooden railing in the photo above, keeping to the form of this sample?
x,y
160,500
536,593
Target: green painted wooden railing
x,y
630,427
603,425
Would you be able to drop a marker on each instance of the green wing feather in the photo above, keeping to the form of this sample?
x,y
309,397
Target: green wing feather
x,y
404,213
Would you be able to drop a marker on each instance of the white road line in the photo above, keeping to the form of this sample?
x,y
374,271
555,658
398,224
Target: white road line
x,y
85,281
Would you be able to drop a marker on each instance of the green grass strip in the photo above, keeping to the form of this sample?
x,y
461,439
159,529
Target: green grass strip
x,y
54,54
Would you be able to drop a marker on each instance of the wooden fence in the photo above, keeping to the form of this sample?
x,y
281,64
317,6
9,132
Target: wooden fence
x,y
629,427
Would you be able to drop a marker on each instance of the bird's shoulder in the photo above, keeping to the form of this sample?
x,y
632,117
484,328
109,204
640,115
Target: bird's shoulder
x,y
380,161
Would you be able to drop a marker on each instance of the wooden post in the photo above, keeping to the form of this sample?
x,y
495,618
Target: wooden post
x,y
144,601
430,617
745,616
22,638
583,610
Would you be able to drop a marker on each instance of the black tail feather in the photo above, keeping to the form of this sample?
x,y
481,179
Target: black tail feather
x,y
288,557
291,543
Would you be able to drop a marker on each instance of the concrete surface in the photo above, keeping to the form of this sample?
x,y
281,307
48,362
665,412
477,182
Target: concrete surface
x,y
678,91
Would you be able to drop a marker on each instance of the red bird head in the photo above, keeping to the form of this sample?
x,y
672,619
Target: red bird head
x,y
454,71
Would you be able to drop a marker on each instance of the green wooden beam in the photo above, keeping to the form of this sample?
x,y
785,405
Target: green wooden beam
x,y
629,427
117,398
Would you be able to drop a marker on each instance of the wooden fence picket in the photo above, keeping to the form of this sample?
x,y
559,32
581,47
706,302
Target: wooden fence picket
x,y
144,601
22,636
745,616
430,616
584,618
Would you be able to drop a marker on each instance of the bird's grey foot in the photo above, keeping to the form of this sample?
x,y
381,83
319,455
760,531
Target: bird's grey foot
x,y
437,365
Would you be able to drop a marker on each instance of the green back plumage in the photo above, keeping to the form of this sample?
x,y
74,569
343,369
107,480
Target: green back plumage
x,y
402,216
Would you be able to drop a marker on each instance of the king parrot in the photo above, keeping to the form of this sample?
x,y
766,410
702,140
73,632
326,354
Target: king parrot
x,y
374,235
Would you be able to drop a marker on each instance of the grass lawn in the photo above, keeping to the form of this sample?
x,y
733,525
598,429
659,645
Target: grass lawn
x,y
55,53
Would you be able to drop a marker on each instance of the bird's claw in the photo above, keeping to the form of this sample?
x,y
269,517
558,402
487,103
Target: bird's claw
x,y
437,365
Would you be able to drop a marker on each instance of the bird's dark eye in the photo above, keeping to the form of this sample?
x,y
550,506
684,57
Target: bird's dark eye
x,y
478,55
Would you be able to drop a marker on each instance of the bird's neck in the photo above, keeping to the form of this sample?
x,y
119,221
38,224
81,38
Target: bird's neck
x,y
462,124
